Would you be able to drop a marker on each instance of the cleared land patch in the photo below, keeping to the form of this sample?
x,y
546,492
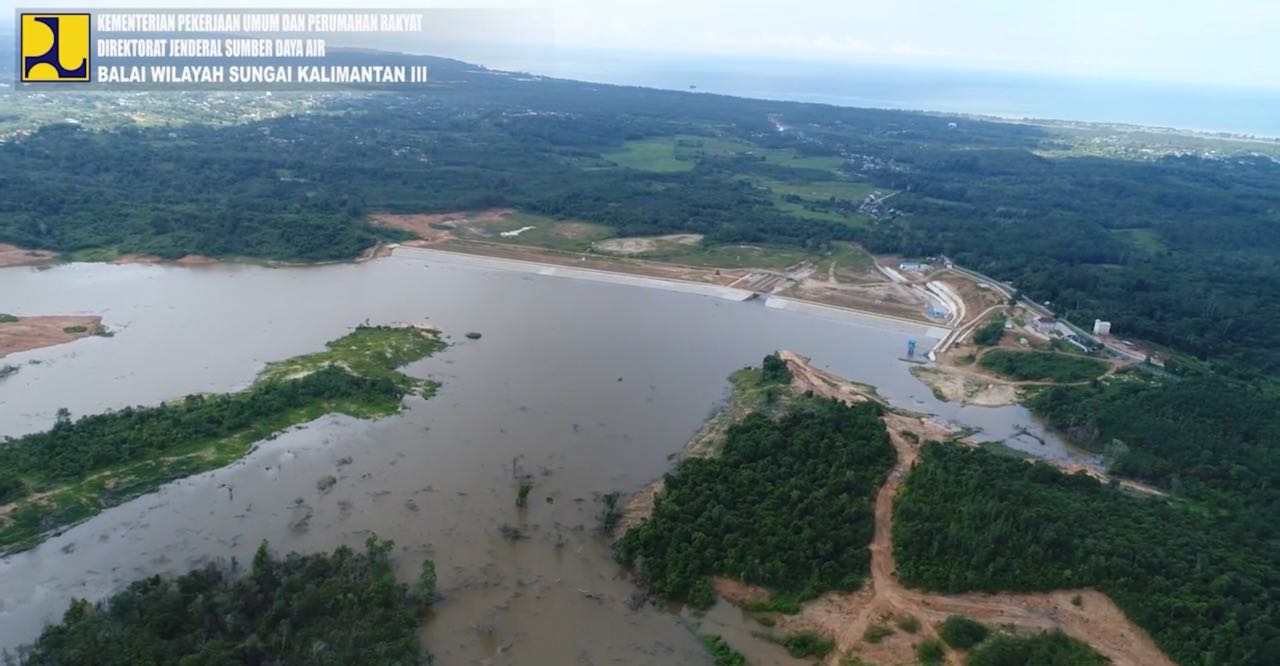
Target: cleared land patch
x,y
1042,366
736,256
659,155
12,255
843,618
673,154
822,190
498,225
648,245
964,388
18,334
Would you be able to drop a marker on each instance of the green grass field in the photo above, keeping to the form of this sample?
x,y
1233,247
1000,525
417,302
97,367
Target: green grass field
x,y
674,154
736,256
547,232
789,158
799,210
657,155
847,257
1042,366
820,190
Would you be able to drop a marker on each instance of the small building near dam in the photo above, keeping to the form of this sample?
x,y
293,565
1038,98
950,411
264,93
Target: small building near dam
x,y
1045,324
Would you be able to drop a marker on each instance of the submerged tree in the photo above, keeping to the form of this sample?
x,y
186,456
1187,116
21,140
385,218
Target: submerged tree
x,y
333,609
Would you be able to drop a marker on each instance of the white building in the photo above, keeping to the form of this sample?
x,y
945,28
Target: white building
x,y
1101,327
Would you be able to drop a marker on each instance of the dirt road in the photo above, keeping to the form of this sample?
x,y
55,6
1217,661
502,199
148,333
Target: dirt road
x,y
1096,620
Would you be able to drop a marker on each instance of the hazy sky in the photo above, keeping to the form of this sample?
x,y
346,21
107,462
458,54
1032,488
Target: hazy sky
x,y
1203,41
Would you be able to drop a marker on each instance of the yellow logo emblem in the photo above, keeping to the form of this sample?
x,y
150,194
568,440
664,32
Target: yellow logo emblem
x,y
55,47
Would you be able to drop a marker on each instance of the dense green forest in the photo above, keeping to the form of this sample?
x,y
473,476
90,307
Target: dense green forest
x,y
967,519
327,609
1042,366
1178,250
1172,250
1213,440
1052,648
787,504
961,632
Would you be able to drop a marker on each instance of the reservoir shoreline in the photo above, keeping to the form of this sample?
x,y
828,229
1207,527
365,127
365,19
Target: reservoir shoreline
x,y
563,382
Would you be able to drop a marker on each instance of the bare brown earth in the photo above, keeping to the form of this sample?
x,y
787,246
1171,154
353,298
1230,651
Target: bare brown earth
x,y
858,286
36,332
976,298
12,255
874,294
864,290
845,617
965,388
426,226
185,260
645,245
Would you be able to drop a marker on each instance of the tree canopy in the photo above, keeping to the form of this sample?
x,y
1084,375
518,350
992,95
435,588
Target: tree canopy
x,y
966,519
787,504
345,607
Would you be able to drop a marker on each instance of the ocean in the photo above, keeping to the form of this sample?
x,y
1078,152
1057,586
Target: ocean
x,y
1208,108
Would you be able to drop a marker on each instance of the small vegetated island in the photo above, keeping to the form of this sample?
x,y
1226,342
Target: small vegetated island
x,y
327,609
59,477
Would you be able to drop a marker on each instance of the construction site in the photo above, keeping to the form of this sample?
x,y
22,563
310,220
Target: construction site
x,y
950,302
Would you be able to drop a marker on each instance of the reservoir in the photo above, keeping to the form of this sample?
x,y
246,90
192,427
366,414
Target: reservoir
x,y
588,384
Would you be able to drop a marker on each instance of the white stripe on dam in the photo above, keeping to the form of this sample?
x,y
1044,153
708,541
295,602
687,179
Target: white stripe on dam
x,y
517,265
860,316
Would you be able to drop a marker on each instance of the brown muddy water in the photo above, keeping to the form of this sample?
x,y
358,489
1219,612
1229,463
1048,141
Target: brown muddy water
x,y
589,386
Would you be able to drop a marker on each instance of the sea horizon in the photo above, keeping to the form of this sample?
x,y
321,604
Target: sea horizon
x,y
1211,109
1240,111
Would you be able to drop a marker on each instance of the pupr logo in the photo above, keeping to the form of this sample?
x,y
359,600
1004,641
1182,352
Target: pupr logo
x,y
54,47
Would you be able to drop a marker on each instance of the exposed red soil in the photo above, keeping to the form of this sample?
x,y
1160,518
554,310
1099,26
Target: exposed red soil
x,y
425,226
36,332
1096,620
12,255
